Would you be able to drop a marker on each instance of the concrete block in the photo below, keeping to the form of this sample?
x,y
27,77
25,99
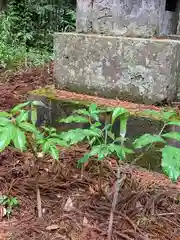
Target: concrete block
x,y
134,18
134,69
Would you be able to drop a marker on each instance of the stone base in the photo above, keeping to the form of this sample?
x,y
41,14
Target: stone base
x,y
133,69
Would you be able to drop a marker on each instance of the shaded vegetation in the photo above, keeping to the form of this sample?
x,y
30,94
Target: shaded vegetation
x,y
26,29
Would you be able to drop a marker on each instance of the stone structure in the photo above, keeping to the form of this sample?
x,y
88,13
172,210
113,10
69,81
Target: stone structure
x,y
134,18
114,52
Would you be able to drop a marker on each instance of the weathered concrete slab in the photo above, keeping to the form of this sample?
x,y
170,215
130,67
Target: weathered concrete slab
x,y
139,70
134,18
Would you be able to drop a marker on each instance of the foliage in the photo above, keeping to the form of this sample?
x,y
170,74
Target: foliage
x,y
18,129
26,29
170,155
9,203
103,142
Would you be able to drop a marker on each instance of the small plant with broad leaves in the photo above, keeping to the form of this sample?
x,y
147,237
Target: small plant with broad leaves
x,y
100,138
8,204
170,162
103,142
18,130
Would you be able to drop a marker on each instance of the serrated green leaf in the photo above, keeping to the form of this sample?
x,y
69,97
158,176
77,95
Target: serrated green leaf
x,y
147,139
19,139
174,123
5,114
172,135
23,116
54,152
76,119
4,121
19,107
171,162
28,127
117,113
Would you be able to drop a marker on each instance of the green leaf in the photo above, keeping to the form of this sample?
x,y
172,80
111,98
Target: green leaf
x,y
54,152
38,103
167,115
5,114
93,108
14,202
172,135
95,150
19,107
34,116
111,135
19,139
57,141
28,127
3,199
161,115
94,111
73,136
147,139
23,116
82,112
4,121
128,150
171,162
76,119
95,132
118,112
84,159
123,124
174,123
119,150
101,150
45,146
104,152
6,136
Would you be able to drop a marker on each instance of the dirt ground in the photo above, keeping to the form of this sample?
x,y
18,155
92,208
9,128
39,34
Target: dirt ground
x,y
148,204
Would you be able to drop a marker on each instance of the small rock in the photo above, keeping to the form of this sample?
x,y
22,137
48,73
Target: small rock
x,y
52,227
85,221
69,205
2,212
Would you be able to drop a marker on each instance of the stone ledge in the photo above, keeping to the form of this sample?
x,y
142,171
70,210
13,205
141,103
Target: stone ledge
x,y
133,69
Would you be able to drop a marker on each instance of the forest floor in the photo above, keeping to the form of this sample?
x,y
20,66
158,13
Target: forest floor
x,y
77,207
